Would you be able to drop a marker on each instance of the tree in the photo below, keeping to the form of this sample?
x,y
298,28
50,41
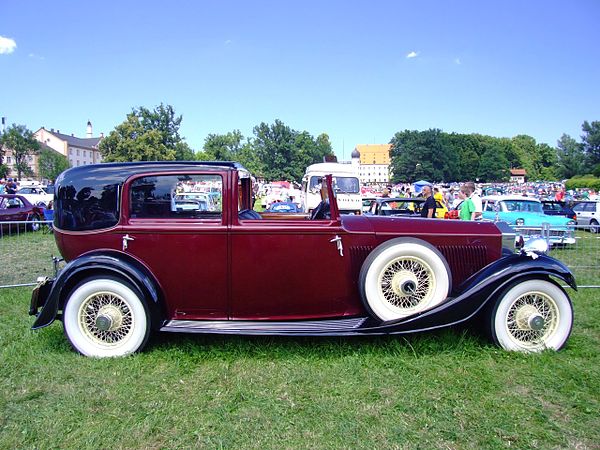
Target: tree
x,y
146,136
23,144
493,165
283,153
222,147
422,154
51,163
571,157
591,141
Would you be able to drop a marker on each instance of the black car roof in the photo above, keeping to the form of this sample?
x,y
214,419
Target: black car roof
x,y
116,173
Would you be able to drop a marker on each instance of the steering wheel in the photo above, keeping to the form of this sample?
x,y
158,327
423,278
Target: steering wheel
x,y
322,211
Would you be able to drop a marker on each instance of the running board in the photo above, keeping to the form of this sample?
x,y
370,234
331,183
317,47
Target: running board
x,y
264,327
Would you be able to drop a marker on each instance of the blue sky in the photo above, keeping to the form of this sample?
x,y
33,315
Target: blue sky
x,y
359,71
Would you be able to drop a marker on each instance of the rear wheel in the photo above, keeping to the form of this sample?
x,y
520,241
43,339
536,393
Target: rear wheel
x,y
531,316
106,317
594,226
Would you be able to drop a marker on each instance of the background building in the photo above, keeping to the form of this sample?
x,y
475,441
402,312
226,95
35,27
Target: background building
x,y
373,162
79,151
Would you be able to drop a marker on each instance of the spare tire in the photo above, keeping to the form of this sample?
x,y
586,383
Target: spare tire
x,y
403,276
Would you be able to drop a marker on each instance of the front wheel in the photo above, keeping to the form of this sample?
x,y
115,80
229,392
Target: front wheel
x,y
531,316
106,317
594,227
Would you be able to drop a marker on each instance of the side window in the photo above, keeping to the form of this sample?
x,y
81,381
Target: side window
x,y
579,207
490,206
590,207
177,196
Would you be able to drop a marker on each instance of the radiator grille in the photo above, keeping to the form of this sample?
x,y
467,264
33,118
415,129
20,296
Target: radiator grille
x,y
464,260
358,254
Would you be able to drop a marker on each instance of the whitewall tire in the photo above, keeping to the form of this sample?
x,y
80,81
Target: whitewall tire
x,y
532,316
402,277
106,317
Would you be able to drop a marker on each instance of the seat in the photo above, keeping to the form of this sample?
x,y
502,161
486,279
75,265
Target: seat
x,y
322,211
249,214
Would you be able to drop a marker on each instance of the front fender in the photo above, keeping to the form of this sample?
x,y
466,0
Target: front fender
x,y
107,262
475,292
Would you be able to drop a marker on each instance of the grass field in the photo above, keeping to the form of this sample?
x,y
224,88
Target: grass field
x,y
444,390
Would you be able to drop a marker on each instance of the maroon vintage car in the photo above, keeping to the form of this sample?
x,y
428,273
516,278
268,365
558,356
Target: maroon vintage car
x,y
17,213
138,261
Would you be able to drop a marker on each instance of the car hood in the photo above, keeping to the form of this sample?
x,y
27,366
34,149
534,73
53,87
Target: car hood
x,y
416,226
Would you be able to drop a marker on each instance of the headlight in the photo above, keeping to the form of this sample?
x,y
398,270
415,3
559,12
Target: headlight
x,y
536,245
520,222
571,223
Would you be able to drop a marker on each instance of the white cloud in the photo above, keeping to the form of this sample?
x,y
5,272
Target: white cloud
x,y
7,45
457,61
38,57
228,42
412,55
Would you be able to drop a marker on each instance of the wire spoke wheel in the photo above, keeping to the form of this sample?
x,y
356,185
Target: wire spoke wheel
x,y
403,276
105,318
532,316
406,282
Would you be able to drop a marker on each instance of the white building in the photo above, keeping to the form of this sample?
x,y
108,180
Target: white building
x,y
79,151
373,161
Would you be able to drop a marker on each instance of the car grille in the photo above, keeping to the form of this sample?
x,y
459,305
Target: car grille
x,y
464,260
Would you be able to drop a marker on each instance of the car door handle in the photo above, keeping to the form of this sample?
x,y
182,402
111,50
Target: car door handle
x,y
126,240
338,242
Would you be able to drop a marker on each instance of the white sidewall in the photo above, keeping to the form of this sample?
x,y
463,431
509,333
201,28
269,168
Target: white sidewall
x,y
565,316
82,342
379,305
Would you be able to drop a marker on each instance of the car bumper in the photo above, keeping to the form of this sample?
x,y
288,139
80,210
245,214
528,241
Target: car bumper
x,y
40,295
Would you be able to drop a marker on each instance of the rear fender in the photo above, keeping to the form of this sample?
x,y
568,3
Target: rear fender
x,y
106,263
473,294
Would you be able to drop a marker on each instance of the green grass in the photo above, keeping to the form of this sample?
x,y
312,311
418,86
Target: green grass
x,y
26,256
448,389
583,258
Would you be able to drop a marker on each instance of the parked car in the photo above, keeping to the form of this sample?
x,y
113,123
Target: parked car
x,y
16,208
527,216
401,206
135,266
588,215
556,208
36,195
193,201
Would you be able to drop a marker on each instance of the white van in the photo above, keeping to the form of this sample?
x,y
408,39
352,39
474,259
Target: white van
x,y
345,183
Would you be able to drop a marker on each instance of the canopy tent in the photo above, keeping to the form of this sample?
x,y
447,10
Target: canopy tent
x,y
420,184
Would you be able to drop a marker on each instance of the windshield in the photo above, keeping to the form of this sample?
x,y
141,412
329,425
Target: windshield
x,y
348,185
523,206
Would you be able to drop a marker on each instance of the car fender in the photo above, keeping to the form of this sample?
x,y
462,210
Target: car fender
x,y
107,262
475,292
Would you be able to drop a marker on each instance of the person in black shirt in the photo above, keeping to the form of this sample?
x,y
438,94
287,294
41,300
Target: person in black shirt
x,y
428,209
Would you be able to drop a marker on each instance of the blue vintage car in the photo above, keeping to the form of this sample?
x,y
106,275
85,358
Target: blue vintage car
x,y
527,216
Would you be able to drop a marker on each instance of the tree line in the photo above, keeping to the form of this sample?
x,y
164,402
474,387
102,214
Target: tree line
x,y
278,152
439,156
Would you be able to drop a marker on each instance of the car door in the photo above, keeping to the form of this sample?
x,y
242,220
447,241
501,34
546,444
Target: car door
x,y
290,269
186,249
